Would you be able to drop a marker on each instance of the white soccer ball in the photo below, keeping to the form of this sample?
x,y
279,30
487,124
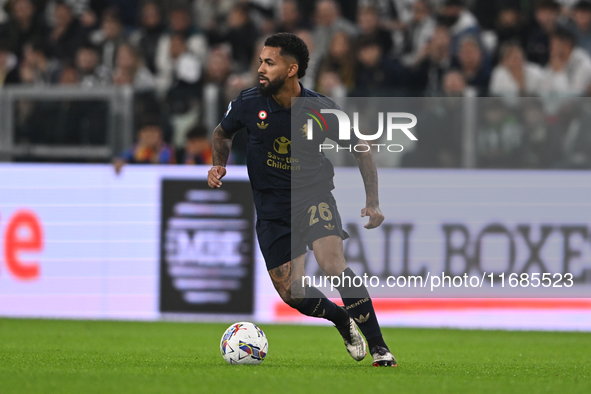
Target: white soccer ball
x,y
244,343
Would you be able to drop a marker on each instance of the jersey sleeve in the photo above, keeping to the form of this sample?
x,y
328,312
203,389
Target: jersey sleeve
x,y
233,121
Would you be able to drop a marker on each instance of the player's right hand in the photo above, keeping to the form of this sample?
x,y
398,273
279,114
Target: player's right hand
x,y
214,175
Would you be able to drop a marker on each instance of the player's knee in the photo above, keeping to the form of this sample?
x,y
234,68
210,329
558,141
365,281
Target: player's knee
x,y
333,265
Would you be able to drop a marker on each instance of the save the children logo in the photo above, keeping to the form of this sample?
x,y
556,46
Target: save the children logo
x,y
282,145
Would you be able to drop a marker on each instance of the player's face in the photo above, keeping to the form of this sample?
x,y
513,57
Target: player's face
x,y
273,71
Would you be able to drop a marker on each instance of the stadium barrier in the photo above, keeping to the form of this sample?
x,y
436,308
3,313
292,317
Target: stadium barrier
x,y
66,123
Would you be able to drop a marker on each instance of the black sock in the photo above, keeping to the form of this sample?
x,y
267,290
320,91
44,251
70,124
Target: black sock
x,y
315,304
359,306
378,341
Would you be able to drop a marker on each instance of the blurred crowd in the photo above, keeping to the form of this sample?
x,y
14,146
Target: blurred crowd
x,y
187,59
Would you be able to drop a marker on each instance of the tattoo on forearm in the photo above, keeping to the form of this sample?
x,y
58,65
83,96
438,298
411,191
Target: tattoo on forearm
x,y
222,143
369,173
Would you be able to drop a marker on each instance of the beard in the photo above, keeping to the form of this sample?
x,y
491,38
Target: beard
x,y
272,87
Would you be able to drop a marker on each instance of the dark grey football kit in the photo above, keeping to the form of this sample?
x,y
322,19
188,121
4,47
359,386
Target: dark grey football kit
x,y
291,182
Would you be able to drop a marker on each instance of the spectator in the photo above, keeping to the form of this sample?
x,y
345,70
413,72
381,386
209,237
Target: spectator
x,y
109,37
568,71
309,81
439,137
36,55
395,14
460,22
219,66
197,148
331,85
217,71
90,14
87,12
3,13
194,42
69,76
150,147
208,14
130,70
581,24
510,26
183,99
241,34
541,143
67,33
127,11
453,84
78,121
373,76
63,122
486,12
418,32
369,23
340,59
432,62
328,21
22,26
538,41
240,79
187,68
8,64
291,17
499,137
146,38
514,76
180,23
92,72
474,64
184,75
575,144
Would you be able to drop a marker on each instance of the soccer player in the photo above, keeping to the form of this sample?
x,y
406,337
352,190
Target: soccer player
x,y
292,190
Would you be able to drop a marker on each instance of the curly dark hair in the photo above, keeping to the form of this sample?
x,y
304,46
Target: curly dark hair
x,y
291,45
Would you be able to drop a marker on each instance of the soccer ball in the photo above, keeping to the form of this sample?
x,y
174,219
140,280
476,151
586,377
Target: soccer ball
x,y
244,343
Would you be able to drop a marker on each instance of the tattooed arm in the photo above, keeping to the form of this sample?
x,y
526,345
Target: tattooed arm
x,y
369,173
222,143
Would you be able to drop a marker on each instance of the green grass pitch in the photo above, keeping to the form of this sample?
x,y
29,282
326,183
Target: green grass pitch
x,y
57,356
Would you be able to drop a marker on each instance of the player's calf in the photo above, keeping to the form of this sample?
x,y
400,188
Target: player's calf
x,y
307,300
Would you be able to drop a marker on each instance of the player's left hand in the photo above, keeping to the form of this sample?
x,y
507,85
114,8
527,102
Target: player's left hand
x,y
376,217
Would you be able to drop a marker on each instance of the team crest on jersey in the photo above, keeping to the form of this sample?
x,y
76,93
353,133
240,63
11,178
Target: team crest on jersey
x,y
262,115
